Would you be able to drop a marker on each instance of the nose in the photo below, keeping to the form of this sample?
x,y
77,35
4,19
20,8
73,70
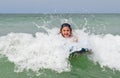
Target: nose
x,y
66,31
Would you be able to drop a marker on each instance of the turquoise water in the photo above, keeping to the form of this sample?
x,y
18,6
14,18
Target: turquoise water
x,y
31,48
97,23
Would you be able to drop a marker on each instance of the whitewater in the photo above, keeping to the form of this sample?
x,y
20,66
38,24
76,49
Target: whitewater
x,y
45,49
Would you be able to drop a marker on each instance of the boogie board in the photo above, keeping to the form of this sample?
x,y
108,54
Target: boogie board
x,y
79,52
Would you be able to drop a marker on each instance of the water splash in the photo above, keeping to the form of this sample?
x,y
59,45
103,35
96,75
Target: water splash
x,y
35,53
47,51
106,50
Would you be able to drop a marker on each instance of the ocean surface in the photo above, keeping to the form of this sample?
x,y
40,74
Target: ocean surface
x,y
31,46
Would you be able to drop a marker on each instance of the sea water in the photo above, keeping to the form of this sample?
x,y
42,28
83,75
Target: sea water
x,y
31,46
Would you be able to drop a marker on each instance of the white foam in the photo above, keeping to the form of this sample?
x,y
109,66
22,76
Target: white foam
x,y
50,50
28,52
106,50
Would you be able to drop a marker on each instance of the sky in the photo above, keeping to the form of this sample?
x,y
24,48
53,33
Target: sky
x,y
59,6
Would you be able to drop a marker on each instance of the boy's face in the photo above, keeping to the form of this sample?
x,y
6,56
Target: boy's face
x,y
66,32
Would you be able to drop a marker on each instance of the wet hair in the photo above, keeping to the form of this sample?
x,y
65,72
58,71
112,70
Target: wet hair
x,y
65,25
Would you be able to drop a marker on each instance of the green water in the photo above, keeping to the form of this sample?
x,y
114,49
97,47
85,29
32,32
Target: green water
x,y
95,23
81,67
